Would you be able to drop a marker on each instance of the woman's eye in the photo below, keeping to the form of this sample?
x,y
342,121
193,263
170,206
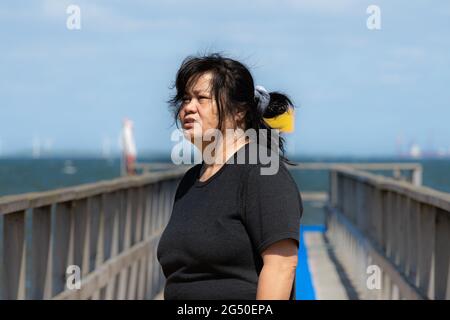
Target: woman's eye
x,y
204,98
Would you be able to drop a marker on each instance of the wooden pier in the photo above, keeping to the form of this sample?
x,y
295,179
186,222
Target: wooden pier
x,y
110,230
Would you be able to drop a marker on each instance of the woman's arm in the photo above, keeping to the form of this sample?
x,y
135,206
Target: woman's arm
x,y
277,275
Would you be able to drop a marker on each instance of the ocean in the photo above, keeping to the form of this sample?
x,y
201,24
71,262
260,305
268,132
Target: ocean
x,y
31,175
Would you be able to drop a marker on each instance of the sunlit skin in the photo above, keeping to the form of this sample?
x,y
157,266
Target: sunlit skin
x,y
198,114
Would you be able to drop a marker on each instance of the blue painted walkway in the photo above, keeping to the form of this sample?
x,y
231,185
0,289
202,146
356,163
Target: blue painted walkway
x,y
304,288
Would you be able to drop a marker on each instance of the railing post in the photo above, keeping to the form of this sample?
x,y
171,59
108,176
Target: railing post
x,y
417,176
60,244
14,256
397,173
333,188
80,221
427,254
99,238
413,242
40,252
123,278
143,262
94,219
137,235
442,255
113,250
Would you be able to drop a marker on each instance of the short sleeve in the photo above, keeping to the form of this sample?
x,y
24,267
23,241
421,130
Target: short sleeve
x,y
272,207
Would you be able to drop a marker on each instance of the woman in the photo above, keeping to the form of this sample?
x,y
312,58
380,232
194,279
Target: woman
x,y
233,232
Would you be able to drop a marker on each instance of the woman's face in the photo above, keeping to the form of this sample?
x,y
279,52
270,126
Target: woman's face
x,y
199,111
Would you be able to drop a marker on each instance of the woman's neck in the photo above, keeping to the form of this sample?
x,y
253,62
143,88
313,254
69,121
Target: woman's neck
x,y
217,154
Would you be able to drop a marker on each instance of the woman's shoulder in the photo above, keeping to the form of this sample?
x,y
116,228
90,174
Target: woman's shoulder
x,y
269,172
275,185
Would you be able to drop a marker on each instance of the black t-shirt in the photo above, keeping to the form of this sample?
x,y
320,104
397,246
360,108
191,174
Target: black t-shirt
x,y
212,245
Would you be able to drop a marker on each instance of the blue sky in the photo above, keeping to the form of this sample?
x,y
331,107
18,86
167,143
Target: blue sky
x,y
358,90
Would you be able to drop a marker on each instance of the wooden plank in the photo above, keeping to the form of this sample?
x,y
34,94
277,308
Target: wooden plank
x,y
61,236
412,260
442,256
155,207
340,192
417,176
397,229
147,211
40,251
86,257
387,223
109,215
165,198
137,236
365,207
115,203
154,204
122,218
162,204
150,288
404,208
138,274
377,217
100,241
94,226
14,253
132,281
142,282
133,194
140,207
124,276
80,213
333,188
426,250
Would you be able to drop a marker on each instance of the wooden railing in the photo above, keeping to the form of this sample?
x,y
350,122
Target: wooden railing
x,y
402,229
404,171
109,230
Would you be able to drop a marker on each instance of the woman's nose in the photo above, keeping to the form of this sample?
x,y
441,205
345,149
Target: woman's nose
x,y
190,107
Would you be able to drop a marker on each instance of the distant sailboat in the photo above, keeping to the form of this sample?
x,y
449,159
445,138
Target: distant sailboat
x,y
128,147
36,151
415,151
69,168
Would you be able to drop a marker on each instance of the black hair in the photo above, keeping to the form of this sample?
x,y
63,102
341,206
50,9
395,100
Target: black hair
x,y
233,89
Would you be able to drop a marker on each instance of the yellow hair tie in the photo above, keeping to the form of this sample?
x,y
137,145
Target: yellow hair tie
x,y
284,122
